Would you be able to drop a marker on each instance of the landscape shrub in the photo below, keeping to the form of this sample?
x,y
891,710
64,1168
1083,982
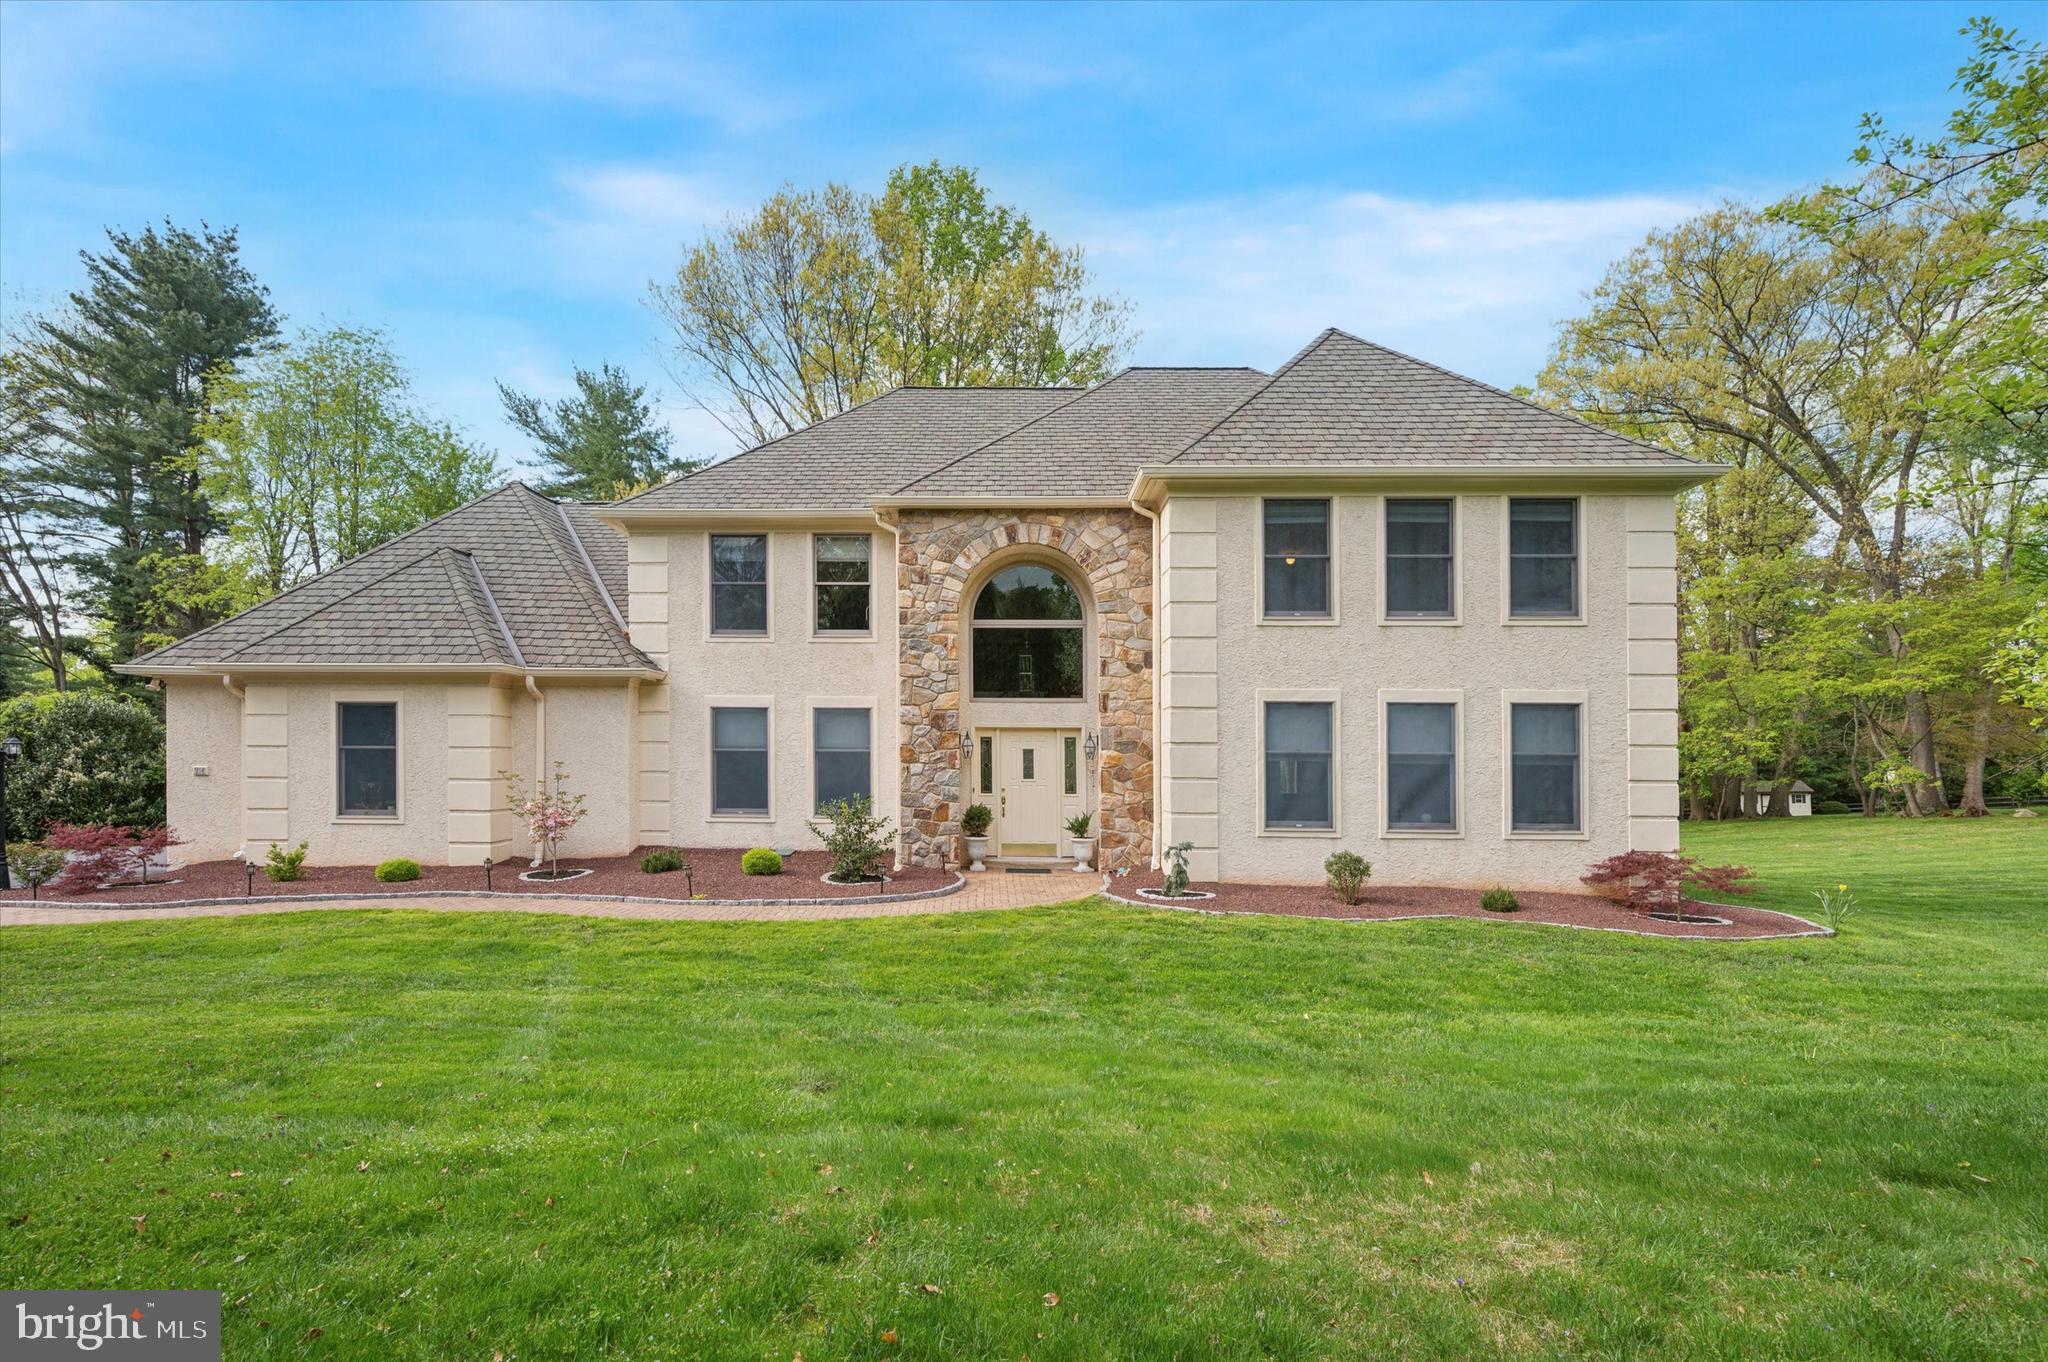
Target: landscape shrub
x,y
1499,900
102,854
661,861
87,757
974,822
1653,880
398,870
34,865
1830,806
1176,882
1078,825
761,861
1348,871
855,837
281,865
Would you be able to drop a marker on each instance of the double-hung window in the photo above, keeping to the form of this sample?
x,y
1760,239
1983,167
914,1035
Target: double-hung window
x,y
840,754
839,572
1422,767
367,760
739,761
1297,554
1543,558
1544,760
1299,736
1419,569
739,583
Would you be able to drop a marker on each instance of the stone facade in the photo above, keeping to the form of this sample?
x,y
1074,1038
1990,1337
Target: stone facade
x,y
937,555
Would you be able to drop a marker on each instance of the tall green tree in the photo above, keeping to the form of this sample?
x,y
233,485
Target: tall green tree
x,y
602,444
316,454
822,299
128,370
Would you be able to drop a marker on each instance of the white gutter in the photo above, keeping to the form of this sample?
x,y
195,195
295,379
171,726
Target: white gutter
x,y
1151,479
1158,653
313,669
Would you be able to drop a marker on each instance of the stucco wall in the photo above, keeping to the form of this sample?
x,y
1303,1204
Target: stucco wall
x,y
789,671
421,829
1357,658
203,727
590,733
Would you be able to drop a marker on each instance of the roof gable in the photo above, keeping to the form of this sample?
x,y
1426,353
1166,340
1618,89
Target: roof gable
x,y
1347,401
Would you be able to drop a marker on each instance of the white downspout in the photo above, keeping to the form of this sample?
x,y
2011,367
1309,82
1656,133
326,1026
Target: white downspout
x,y
1158,656
540,746
241,694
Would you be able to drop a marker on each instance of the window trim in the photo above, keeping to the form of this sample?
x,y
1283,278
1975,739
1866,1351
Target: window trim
x,y
1456,700
1508,700
396,699
1457,615
1508,616
1334,699
1261,616
811,708
766,634
712,704
841,635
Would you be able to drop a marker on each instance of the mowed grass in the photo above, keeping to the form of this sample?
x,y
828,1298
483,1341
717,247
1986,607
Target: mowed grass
x,y
1078,1132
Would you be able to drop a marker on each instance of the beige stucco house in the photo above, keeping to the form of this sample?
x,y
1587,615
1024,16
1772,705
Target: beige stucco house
x,y
1359,602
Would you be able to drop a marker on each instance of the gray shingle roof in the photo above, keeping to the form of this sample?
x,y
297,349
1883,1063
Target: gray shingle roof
x,y
1345,400
840,462
427,597
1094,445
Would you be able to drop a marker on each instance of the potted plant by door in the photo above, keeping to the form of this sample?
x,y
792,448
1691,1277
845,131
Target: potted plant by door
x,y
974,827
1079,844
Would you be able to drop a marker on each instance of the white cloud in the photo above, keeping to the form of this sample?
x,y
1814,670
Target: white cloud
x,y
1475,285
56,60
626,225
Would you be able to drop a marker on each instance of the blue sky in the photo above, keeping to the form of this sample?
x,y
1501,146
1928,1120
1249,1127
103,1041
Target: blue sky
x,y
494,185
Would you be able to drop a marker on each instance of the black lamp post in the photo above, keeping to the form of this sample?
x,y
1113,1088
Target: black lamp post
x,y
10,750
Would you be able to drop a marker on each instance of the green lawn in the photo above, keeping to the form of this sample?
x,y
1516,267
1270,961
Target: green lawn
x,y
446,1136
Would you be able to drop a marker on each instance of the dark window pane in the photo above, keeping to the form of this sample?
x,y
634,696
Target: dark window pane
x,y
988,765
739,782
1545,742
1300,587
739,558
1542,586
1540,526
1027,663
1422,730
1419,793
369,725
1298,765
842,557
739,609
1419,527
841,730
840,754
1418,586
731,728
843,609
1297,527
369,780
1027,592
1073,766
1030,763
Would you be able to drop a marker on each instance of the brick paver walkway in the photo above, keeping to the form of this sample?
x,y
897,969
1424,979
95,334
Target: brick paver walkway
x,y
992,889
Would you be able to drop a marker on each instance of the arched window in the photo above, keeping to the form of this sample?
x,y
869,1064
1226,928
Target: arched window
x,y
1027,636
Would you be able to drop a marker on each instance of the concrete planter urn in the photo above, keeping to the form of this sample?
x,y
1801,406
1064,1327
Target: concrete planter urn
x,y
974,821
977,851
1080,842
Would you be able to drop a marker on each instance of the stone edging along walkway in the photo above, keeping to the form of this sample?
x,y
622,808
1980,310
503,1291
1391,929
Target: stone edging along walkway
x,y
1505,919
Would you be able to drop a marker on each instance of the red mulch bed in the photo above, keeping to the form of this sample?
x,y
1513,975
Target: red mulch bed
x,y
1384,902
717,875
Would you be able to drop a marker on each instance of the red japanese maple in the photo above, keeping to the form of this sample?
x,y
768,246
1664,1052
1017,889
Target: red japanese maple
x,y
1654,879
102,854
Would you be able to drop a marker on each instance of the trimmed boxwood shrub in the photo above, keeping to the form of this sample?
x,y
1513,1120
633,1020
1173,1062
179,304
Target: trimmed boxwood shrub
x,y
1829,806
1499,900
660,861
86,757
761,861
398,870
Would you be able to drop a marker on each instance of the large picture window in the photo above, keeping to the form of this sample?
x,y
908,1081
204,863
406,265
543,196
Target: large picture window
x,y
1027,636
1419,558
1298,765
739,761
1544,753
1543,558
1422,749
839,570
840,754
368,760
739,583
1297,552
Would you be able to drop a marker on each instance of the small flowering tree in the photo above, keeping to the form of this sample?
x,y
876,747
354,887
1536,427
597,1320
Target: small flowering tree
x,y
104,854
549,809
1653,880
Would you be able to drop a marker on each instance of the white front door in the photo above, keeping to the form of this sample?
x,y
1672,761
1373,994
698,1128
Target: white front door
x,y
1028,776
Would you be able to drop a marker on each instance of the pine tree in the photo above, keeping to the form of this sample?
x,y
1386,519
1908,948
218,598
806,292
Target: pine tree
x,y
600,444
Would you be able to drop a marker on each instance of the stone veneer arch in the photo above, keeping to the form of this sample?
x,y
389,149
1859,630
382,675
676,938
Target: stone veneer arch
x,y
939,554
